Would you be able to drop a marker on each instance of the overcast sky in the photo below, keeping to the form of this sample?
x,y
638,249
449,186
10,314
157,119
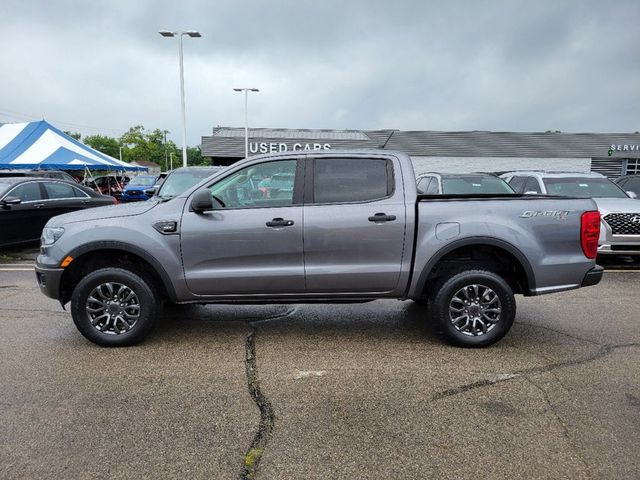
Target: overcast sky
x,y
101,66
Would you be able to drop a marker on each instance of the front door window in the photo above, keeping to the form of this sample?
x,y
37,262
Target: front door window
x,y
267,184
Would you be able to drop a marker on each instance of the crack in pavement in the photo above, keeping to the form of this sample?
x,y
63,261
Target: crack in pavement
x,y
267,414
565,430
602,352
542,327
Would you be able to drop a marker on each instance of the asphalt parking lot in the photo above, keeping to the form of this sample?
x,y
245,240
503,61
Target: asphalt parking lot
x,y
317,391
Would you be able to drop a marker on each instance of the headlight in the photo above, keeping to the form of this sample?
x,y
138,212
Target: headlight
x,y
50,235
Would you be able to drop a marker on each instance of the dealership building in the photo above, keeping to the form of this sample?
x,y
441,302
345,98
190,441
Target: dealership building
x,y
612,154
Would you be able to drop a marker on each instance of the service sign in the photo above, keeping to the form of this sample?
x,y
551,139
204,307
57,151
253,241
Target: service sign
x,y
623,148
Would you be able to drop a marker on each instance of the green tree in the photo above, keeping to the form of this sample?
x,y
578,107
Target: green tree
x,y
75,135
141,144
194,157
107,145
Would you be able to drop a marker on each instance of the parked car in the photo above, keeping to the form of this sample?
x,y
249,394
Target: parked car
x,y
135,190
630,184
58,174
461,184
26,204
352,229
620,231
110,184
182,179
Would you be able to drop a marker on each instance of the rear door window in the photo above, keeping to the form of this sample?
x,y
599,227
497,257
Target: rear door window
x,y
56,191
348,180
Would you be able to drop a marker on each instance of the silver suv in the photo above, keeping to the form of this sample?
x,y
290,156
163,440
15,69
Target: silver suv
x,y
620,211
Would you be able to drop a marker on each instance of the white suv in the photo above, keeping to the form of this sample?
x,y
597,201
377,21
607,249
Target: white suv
x,y
620,211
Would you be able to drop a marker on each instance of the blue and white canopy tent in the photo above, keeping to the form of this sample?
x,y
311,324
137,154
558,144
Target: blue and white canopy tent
x,y
41,146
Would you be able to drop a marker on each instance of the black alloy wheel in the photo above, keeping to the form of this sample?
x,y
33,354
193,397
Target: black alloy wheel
x,y
114,307
475,308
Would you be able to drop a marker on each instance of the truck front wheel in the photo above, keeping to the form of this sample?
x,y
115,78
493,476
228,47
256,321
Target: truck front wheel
x,y
114,307
475,308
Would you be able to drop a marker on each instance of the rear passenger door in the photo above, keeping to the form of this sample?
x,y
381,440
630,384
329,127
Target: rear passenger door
x,y
63,198
354,225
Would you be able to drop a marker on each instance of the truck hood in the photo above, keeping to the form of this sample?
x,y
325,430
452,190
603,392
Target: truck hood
x,y
111,211
617,205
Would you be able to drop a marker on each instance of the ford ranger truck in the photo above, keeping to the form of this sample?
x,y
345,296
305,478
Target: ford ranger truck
x,y
336,226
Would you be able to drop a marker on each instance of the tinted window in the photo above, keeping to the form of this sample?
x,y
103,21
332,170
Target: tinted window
x,y
621,181
61,190
583,187
428,186
269,184
423,183
27,192
351,180
469,185
532,185
517,183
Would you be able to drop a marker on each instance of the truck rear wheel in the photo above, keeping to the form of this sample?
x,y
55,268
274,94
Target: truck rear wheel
x,y
114,307
475,308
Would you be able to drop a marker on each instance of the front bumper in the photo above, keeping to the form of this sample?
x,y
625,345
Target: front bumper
x,y
593,276
49,280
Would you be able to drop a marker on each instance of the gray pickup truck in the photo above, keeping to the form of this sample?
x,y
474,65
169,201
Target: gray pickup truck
x,y
330,226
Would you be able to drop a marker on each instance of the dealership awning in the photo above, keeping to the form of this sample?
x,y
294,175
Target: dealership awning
x,y
41,146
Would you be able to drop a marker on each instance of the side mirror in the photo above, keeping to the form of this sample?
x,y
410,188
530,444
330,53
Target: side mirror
x,y
632,194
10,201
202,201
150,192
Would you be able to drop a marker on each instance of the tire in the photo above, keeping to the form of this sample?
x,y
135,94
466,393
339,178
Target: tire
x,y
114,307
482,303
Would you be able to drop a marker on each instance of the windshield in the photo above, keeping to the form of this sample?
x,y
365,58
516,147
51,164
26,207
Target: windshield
x,y
467,185
583,187
179,182
143,181
4,187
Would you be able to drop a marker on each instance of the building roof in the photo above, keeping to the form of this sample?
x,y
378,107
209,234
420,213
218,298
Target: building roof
x,y
515,144
229,142
145,163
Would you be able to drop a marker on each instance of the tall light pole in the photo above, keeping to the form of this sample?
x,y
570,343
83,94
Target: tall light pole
x,y
192,34
246,117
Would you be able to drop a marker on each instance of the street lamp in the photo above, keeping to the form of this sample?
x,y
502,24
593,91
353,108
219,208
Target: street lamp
x,y
246,118
192,34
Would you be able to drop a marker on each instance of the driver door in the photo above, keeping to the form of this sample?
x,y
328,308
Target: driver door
x,y
251,243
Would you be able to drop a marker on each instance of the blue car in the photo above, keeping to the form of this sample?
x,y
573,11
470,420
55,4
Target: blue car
x,y
135,189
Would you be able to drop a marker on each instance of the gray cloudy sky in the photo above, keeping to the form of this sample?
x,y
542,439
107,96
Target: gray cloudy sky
x,y
101,67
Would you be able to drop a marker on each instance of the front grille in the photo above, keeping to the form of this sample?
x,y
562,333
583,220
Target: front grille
x,y
624,223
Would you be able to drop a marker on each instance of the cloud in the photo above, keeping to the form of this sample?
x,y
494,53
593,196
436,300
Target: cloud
x,y
414,65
